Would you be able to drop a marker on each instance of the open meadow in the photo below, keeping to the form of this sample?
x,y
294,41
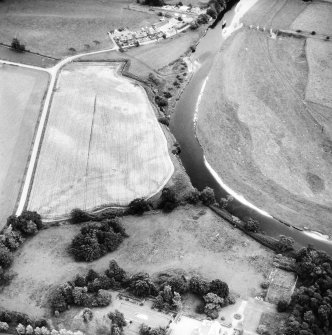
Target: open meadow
x,y
103,144
260,134
21,95
51,28
190,239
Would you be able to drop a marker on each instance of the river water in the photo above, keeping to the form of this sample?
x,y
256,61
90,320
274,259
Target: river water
x,y
192,156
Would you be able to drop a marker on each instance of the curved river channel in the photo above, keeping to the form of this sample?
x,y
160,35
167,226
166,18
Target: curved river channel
x,y
192,155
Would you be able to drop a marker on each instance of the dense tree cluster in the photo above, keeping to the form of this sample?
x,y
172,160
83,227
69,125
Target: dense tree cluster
x,y
18,227
91,290
311,305
88,290
145,330
96,239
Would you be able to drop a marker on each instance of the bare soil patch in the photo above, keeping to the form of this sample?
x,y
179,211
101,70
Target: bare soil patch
x,y
192,239
21,95
103,144
261,136
52,29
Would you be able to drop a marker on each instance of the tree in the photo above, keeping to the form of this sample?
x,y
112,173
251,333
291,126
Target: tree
x,y
17,45
207,196
6,257
138,206
177,301
29,330
212,12
117,319
282,306
199,286
219,288
193,197
20,329
3,326
178,284
87,315
212,305
115,272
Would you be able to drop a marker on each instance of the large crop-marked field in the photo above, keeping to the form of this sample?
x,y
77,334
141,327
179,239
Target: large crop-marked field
x,y
21,95
102,145
260,133
52,27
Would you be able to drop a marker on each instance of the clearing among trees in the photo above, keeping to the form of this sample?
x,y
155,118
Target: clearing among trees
x,y
21,94
102,144
192,239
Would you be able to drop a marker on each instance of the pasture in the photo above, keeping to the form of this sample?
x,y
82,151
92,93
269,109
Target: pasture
x,y
192,239
52,28
261,136
21,95
102,146
316,17
319,88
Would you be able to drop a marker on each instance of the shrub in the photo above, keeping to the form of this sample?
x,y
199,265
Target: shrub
x,y
212,305
164,120
282,306
20,329
193,197
285,243
207,196
160,101
6,257
3,326
17,45
78,216
212,12
313,33
252,225
13,240
199,286
139,206
167,95
265,285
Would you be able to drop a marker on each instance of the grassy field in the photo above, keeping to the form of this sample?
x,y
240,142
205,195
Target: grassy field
x,y
278,14
152,57
51,28
316,17
192,239
319,54
21,95
262,137
102,145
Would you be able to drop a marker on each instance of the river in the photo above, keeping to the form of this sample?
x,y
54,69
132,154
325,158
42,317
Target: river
x,y
192,156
